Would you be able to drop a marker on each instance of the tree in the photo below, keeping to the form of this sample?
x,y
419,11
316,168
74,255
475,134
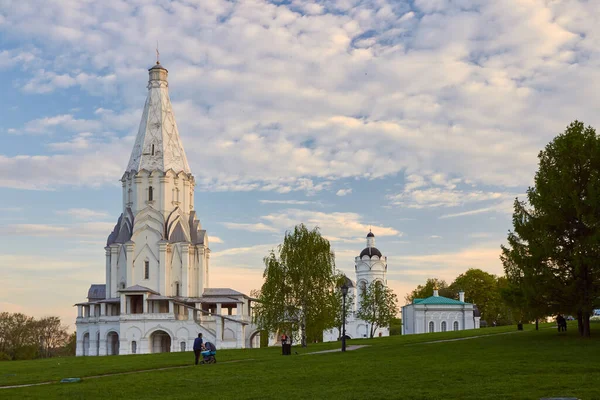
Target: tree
x,y
299,286
378,306
553,251
23,337
424,291
480,288
52,335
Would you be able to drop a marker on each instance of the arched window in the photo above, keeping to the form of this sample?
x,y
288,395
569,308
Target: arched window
x,y
129,195
362,288
133,347
146,269
182,344
150,193
443,328
431,327
455,325
176,288
152,149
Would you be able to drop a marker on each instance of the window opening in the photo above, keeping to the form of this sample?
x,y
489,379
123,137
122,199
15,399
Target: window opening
x,y
455,325
443,326
431,327
150,193
152,149
133,347
146,269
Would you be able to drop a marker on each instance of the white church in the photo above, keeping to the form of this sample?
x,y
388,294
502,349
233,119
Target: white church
x,y
439,314
369,266
157,296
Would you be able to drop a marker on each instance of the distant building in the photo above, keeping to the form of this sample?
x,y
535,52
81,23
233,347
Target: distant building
x,y
157,296
370,265
439,314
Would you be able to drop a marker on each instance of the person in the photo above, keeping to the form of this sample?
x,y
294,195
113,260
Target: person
x,y
198,344
283,344
562,323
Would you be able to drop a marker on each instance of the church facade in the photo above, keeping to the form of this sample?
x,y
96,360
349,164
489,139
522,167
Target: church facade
x,y
157,297
439,314
370,265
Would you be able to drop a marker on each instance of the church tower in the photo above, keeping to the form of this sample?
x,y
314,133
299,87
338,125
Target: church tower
x,y
158,242
369,266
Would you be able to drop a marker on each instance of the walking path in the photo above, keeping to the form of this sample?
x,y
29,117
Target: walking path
x,y
463,338
119,373
348,348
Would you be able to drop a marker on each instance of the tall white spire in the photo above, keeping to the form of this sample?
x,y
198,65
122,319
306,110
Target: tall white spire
x,y
157,145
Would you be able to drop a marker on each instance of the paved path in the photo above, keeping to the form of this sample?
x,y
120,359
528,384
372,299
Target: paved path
x,y
348,348
463,338
119,373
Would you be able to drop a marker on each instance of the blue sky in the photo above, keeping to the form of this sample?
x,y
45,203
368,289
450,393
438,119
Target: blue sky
x,y
422,119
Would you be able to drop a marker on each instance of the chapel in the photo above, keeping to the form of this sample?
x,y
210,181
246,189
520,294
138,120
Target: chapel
x,y
157,295
370,265
439,314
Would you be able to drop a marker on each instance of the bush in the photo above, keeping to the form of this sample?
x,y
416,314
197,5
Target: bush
x,y
4,357
396,327
27,352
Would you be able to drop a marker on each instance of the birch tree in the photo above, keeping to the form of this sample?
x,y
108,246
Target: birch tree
x,y
299,286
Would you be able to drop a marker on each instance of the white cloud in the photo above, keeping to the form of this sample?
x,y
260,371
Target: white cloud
x,y
336,226
87,229
84,213
48,81
66,121
343,192
215,239
289,202
292,102
258,227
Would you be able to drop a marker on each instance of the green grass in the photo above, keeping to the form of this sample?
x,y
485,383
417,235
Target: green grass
x,y
524,365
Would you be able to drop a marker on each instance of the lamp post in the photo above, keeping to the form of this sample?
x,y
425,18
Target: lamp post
x,y
344,293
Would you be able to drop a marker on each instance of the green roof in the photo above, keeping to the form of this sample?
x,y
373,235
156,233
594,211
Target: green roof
x,y
437,300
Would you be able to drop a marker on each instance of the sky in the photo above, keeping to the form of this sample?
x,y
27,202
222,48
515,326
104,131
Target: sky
x,y
420,120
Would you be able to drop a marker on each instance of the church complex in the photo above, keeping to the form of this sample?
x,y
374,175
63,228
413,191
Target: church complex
x,y
157,296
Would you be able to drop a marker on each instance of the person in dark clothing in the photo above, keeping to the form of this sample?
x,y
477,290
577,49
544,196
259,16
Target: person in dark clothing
x,y
198,347
562,323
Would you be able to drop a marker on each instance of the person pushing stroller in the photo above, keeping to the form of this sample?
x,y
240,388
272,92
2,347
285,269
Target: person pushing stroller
x,y
209,352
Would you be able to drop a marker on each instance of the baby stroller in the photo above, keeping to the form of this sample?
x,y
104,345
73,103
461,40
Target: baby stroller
x,y
209,354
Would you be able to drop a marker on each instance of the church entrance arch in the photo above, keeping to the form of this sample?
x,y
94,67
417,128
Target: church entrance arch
x,y
112,343
86,344
254,340
160,342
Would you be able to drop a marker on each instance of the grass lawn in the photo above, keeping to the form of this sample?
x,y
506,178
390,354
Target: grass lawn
x,y
523,365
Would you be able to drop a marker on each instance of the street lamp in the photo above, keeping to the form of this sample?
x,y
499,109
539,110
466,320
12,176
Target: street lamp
x,y
344,293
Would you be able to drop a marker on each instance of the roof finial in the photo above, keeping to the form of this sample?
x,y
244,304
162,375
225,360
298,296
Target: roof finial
x,y
157,54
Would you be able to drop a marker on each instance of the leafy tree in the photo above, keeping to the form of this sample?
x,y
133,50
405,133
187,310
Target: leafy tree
x,y
553,251
423,291
378,306
299,286
23,337
52,334
480,288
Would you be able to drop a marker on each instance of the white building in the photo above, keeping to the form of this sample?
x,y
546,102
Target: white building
x,y
439,314
369,266
157,297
